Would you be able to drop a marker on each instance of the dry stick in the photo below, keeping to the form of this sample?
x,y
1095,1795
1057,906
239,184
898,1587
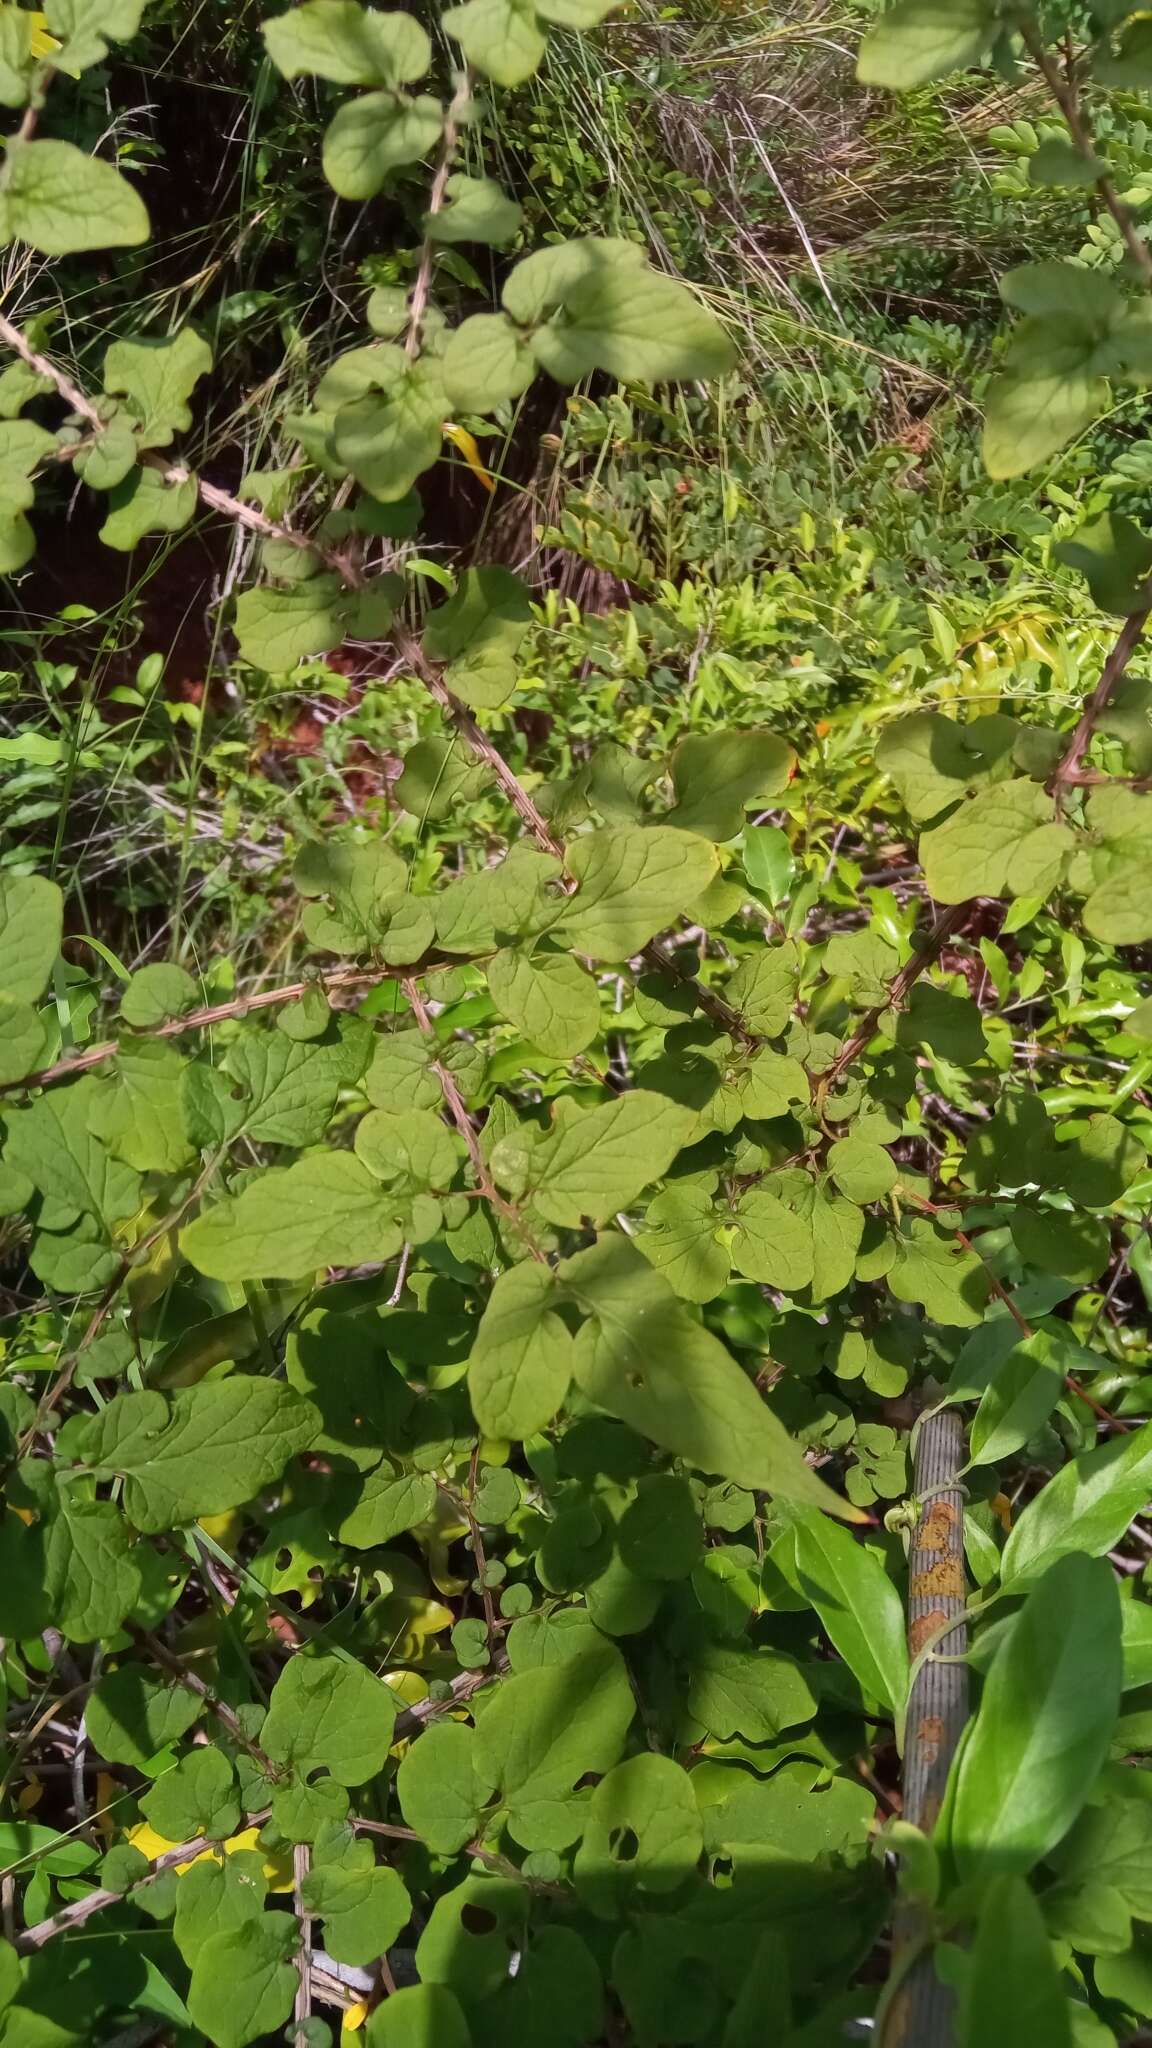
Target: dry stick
x,y
216,1013
450,135
898,988
1065,96
81,1910
922,2013
301,1863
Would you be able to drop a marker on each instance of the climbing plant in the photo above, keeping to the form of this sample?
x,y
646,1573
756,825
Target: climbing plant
x,y
457,1489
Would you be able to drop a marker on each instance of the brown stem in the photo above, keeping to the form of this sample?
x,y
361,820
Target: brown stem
x,y
216,1013
922,2013
450,135
1068,770
1066,98
898,988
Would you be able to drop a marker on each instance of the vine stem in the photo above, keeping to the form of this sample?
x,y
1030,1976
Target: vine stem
x,y
898,988
1067,99
450,136
1068,770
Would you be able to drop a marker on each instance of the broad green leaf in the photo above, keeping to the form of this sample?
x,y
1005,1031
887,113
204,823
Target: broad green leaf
x,y
479,912
545,1729
763,988
363,1904
285,1089
643,1358
1048,393
157,379
753,1692
1099,1163
64,201
520,1366
389,438
83,26
1017,1401
54,1145
633,881
91,1577
772,1243
409,1150
132,1715
858,1605
198,1798
211,1448
328,1713
613,312
716,775
243,1984
146,503
502,38
156,993
487,362
477,634
1060,163
549,997
1061,1241
1013,1991
438,775
376,134
419,2016
862,1170
1086,1507
659,1536
387,1503
326,1210
951,1283
215,1894
595,1161
275,629
918,40
1041,1734
31,922
348,44
440,1790
1114,558
933,761
643,1834
680,1239
477,211
979,850
137,1110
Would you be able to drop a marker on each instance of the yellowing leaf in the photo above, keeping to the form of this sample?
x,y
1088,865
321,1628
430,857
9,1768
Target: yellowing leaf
x,y
466,443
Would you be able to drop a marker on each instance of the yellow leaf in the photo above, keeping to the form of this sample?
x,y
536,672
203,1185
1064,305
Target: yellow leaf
x,y
465,442
41,43
30,1794
354,2017
277,1866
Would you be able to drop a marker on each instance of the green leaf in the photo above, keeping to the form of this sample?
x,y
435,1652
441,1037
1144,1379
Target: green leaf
x,y
549,997
82,26
348,44
1086,1507
502,38
156,993
772,1245
326,1210
1058,1241
157,378
951,1283
419,2016
520,1366
1114,558
214,1895
919,40
477,211
680,1239
275,629
749,1692
477,633
612,312
643,1835
1061,163
374,135
132,1716
329,1713
31,923
243,1986
387,1503
54,1145
985,848
64,201
595,1161
1099,1164
1047,394
633,882
488,362
388,438
716,775
146,503
858,1605
644,1359
198,1798
862,1170
137,1110
440,1788
1013,1991
1018,1401
91,1577
363,1905
1041,1734
208,1450
438,775
546,1728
